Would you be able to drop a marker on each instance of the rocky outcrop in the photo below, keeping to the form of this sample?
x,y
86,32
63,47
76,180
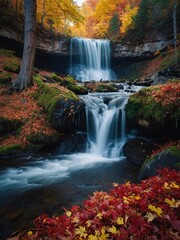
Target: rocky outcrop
x,y
143,50
61,45
159,77
50,44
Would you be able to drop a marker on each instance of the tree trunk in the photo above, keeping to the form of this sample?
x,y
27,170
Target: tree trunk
x,y
25,78
175,32
43,12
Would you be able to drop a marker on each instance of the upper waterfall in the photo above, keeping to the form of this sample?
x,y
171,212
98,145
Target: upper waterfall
x,y
90,59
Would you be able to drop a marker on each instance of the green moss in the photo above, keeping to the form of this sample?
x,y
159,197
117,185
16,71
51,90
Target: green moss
x,y
105,88
55,77
40,140
168,59
172,149
77,89
141,105
5,78
70,79
12,66
37,78
48,96
7,53
9,150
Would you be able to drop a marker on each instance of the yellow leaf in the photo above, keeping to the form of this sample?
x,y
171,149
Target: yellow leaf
x,y
81,231
173,203
126,200
75,220
88,222
120,221
166,186
92,237
99,215
155,209
104,235
68,213
128,183
112,230
174,185
97,232
115,184
150,216
137,197
30,233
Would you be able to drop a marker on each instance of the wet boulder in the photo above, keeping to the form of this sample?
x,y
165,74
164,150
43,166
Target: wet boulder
x,y
169,158
67,114
137,149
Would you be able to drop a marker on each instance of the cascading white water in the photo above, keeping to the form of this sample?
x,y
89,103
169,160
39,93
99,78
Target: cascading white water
x,y
106,123
90,59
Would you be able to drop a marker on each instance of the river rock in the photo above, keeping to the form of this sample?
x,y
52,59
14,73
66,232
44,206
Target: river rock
x,y
170,158
68,114
73,144
137,149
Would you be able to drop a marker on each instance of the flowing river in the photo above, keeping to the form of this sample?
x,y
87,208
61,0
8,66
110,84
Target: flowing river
x,y
34,184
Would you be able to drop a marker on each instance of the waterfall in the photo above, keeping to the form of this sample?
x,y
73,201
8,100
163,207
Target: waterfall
x,y
90,59
106,123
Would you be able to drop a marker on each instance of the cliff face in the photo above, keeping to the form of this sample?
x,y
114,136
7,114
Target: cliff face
x,y
143,50
51,44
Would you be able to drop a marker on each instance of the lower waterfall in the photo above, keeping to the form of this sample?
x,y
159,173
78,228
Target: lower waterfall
x,y
106,123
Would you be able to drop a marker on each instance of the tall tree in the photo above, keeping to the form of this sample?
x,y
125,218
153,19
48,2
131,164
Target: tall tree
x,y
43,12
25,78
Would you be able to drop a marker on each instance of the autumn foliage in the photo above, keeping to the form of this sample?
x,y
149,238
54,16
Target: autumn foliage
x,y
168,94
149,210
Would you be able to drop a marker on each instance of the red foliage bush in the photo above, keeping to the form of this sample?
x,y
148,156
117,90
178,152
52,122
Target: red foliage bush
x,y
148,210
168,94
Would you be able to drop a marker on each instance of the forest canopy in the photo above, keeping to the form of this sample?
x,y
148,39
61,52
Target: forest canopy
x,y
129,20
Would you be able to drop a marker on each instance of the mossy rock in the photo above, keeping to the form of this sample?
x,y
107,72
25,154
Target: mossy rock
x,y
39,141
7,53
5,78
105,88
67,80
142,107
169,158
38,79
12,66
49,95
11,150
56,77
79,90
9,126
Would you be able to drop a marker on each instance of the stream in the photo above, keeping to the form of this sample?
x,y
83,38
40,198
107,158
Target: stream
x,y
33,185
